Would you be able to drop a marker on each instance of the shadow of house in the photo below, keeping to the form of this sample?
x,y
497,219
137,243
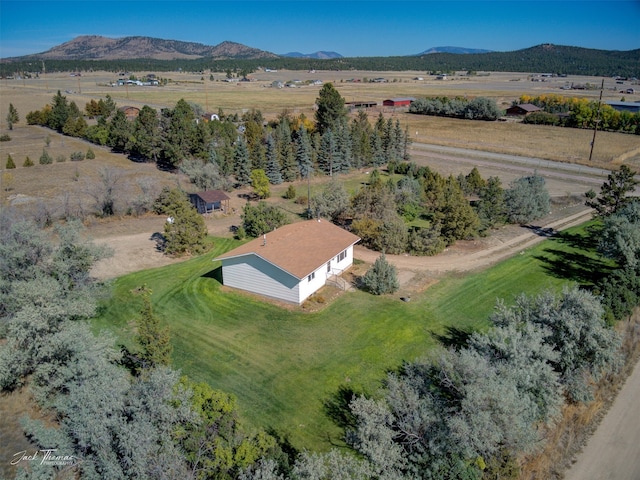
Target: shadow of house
x,y
210,201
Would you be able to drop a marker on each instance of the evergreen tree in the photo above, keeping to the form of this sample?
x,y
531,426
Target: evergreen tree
x,y
330,109
27,162
119,132
59,112
343,147
45,158
327,154
381,278
613,193
361,143
186,232
12,116
10,163
146,138
241,163
180,134
491,208
377,150
273,166
303,153
151,337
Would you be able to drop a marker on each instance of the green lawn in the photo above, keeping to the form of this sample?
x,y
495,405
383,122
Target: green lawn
x,y
284,365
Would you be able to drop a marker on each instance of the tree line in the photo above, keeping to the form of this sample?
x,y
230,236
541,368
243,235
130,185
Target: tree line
x,y
479,108
211,152
579,113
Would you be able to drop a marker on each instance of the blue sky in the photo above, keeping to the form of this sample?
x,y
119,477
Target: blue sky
x,y
351,28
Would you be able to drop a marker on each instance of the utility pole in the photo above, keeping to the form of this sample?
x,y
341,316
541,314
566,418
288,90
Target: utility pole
x,y
595,127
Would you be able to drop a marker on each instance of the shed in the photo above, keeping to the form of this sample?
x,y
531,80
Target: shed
x,y
291,262
360,104
210,201
398,102
522,109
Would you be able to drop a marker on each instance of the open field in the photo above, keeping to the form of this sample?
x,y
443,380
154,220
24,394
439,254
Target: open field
x,y
285,363
70,181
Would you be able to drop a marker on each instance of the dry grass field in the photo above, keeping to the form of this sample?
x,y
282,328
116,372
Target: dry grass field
x,y
72,181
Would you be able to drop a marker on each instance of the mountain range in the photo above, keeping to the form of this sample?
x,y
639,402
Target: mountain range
x,y
96,47
318,55
460,50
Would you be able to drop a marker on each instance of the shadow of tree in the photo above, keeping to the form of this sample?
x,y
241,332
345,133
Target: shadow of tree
x,y
337,407
454,337
160,241
574,266
587,240
215,274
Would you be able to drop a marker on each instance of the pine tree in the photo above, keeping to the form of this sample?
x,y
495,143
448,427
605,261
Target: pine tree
x,y
45,158
327,153
152,339
241,163
27,162
331,109
303,153
381,278
12,116
10,163
273,167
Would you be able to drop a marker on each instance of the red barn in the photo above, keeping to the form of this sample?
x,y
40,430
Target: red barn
x,y
398,102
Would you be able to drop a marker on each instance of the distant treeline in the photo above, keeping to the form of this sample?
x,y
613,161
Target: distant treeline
x,y
579,113
542,58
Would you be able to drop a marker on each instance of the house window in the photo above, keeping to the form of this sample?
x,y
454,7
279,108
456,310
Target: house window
x,y
312,276
328,267
342,256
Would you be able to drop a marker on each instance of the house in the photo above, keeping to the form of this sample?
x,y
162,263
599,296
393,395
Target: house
x,y
522,109
633,107
398,102
130,112
291,262
210,201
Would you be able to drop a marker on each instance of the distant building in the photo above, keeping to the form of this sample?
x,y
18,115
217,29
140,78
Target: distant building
x,y
633,107
360,104
522,110
398,102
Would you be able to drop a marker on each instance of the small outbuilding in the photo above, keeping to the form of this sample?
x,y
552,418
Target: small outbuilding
x,y
210,201
398,102
522,110
130,112
291,262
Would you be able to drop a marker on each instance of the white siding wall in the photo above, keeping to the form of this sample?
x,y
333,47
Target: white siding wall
x,y
255,275
307,287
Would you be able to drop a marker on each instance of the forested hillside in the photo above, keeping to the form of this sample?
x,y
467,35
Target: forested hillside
x,y
542,58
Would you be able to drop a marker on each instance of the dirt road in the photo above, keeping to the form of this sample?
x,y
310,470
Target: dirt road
x,y
613,452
